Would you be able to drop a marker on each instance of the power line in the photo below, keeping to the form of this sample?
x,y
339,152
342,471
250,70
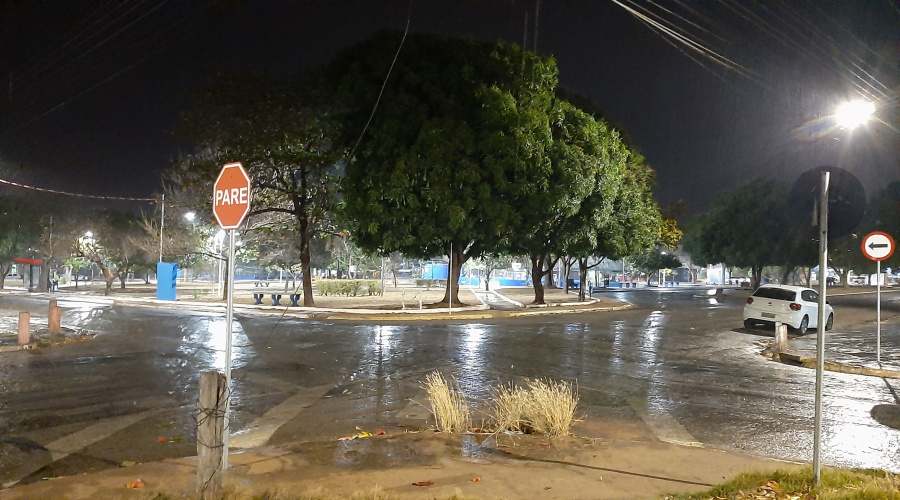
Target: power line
x,y
67,193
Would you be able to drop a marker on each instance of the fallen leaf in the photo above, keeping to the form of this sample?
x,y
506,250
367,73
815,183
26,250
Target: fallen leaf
x,y
127,463
380,432
326,397
545,444
507,452
162,440
356,436
164,424
135,484
476,479
171,392
401,425
423,483
177,438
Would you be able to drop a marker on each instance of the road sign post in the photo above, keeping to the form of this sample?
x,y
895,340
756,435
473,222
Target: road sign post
x,y
878,246
231,204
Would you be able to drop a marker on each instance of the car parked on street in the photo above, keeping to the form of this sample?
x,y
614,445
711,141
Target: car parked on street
x,y
795,306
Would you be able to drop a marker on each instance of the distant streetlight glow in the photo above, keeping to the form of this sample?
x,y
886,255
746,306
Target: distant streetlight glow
x,y
853,114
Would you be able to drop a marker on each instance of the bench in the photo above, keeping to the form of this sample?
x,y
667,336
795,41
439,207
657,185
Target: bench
x,y
276,299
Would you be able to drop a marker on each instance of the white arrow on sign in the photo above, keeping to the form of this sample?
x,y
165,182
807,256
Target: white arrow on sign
x,y
878,246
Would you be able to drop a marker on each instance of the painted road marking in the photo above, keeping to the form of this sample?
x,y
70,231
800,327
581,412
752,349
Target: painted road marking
x,y
80,440
666,428
263,428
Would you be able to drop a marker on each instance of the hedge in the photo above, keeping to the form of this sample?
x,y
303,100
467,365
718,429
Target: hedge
x,y
348,288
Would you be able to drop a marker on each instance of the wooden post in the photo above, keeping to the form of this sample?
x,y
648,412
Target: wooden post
x,y
780,336
210,431
24,328
53,318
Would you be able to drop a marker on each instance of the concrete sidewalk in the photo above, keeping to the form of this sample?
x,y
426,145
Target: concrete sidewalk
x,y
470,466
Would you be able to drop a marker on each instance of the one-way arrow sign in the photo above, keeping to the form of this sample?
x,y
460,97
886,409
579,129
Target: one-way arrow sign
x,y
878,246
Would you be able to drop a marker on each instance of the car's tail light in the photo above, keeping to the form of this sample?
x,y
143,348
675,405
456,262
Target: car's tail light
x,y
795,306
749,300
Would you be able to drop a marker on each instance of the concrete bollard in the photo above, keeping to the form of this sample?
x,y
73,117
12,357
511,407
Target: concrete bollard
x,y
781,336
53,318
24,328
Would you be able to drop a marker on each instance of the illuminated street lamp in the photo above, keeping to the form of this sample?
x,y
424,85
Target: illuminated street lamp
x,y
853,114
849,116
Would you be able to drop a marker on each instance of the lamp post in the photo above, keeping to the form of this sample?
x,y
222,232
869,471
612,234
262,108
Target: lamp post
x,y
848,116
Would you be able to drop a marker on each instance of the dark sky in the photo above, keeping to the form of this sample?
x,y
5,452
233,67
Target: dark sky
x,y
90,90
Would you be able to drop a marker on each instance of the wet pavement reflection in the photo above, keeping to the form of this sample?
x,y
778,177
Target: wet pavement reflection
x,y
678,364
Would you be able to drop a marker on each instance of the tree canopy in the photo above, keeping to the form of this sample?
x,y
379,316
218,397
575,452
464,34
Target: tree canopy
x,y
458,142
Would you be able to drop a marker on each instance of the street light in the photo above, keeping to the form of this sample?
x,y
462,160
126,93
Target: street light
x,y
190,216
853,114
849,116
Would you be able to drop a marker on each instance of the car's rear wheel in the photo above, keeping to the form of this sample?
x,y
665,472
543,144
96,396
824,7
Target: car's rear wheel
x,y
804,325
830,323
749,323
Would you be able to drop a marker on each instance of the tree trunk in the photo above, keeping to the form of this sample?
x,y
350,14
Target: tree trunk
x,y
457,259
582,272
549,271
122,280
537,275
4,270
487,279
757,276
44,280
308,300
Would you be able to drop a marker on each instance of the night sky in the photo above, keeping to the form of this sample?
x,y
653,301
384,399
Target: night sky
x,y
91,90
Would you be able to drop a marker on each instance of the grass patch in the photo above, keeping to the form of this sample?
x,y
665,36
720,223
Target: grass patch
x,y
448,404
543,407
835,484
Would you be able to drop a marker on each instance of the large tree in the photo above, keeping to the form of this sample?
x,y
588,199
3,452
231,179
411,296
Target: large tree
x,y
281,130
748,226
458,140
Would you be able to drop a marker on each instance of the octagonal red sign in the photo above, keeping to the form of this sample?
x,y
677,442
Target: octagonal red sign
x,y
231,196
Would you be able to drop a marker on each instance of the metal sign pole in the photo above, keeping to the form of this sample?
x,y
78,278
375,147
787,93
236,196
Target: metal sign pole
x,y
878,314
229,313
820,326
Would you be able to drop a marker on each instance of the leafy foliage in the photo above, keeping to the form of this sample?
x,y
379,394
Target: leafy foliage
x,y
456,145
281,130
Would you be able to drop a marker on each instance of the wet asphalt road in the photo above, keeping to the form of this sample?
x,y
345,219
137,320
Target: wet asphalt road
x,y
679,364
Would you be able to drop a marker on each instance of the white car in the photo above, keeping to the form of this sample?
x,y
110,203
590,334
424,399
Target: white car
x,y
795,306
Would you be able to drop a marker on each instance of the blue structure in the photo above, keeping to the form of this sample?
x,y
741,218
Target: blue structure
x,y
166,280
436,272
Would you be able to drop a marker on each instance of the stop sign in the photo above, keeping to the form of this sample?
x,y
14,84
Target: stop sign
x,y
231,196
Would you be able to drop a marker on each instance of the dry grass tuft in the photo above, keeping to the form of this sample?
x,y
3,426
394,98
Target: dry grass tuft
x,y
509,408
552,406
448,404
544,407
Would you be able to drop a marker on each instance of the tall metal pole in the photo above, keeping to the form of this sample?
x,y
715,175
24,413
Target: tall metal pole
x,y
449,280
162,224
878,314
820,329
229,315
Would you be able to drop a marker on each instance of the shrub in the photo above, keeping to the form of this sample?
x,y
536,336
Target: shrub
x,y
544,407
448,404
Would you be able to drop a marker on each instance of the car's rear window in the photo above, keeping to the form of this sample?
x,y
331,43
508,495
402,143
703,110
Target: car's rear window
x,y
775,293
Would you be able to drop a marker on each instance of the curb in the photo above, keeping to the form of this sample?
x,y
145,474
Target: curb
x,y
832,366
